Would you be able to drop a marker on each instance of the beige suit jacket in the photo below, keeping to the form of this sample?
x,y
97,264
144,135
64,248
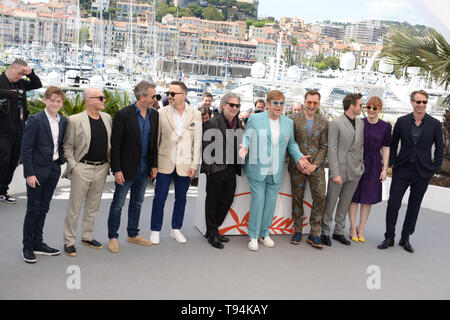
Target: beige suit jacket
x,y
346,148
78,138
179,152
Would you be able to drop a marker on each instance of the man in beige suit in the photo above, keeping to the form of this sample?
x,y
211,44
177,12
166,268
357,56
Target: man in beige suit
x,y
179,156
87,150
346,166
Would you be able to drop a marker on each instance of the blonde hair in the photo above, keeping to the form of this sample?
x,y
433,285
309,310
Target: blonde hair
x,y
274,95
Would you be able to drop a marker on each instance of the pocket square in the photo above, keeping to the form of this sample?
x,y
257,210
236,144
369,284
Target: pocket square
x,y
192,124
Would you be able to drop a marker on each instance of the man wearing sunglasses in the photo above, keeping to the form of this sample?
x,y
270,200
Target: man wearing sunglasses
x,y
311,134
179,157
87,150
221,168
268,135
134,157
412,167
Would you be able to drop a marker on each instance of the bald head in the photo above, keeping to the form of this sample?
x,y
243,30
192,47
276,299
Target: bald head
x,y
94,99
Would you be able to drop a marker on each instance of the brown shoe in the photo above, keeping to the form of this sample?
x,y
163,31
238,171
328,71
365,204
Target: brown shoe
x,y
139,240
113,245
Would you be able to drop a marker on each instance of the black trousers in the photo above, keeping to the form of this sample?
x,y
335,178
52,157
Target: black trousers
x,y
220,188
9,159
402,178
38,203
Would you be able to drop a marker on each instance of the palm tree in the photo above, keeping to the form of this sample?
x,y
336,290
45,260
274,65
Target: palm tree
x,y
431,53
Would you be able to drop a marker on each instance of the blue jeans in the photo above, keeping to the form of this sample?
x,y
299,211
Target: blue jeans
x,y
137,186
161,190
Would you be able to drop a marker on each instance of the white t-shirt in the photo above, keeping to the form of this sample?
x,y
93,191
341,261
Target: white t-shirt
x,y
275,137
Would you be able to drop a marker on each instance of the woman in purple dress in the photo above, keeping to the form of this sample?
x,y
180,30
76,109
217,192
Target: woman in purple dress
x,y
377,139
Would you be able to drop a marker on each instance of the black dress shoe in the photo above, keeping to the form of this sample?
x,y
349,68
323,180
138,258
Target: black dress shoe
x,y
215,242
325,240
223,239
386,243
342,239
406,245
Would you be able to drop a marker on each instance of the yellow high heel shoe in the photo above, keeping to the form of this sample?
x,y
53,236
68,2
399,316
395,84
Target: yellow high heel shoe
x,y
354,239
361,239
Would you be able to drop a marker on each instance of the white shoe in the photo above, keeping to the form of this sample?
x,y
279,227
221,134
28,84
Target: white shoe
x,y
253,245
266,241
154,237
177,235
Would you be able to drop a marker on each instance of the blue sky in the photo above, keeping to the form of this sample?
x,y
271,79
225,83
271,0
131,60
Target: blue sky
x,y
342,10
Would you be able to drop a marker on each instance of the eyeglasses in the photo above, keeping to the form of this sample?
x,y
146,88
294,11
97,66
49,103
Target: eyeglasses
x,y
277,103
369,107
172,94
157,96
101,98
420,102
234,105
312,103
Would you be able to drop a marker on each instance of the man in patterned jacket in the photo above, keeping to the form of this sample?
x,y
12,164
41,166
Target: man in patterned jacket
x,y
311,134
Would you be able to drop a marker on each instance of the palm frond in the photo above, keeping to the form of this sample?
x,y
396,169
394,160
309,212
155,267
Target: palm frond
x,y
431,53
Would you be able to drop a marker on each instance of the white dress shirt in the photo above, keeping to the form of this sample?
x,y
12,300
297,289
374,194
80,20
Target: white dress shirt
x,y
179,121
54,127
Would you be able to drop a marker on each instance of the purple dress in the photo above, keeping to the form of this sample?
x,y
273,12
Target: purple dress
x,y
375,136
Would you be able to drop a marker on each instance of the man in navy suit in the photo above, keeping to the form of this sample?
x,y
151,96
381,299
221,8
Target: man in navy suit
x,y
42,157
412,167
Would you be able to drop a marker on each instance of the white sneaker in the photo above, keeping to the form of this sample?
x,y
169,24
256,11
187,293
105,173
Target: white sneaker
x,y
154,237
177,235
266,241
253,245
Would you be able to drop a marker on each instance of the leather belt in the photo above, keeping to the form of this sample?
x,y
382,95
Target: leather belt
x,y
92,163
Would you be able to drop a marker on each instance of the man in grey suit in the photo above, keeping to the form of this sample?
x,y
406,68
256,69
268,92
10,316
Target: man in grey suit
x,y
87,150
346,166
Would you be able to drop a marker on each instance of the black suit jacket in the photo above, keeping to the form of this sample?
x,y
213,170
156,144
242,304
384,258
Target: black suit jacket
x,y
431,134
218,122
9,100
126,143
37,145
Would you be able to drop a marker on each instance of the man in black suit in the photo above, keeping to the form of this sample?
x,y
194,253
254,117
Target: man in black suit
x,y
13,114
223,131
412,167
42,157
134,157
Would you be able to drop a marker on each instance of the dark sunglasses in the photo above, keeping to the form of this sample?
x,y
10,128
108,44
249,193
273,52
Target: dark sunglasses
x,y
157,96
172,94
277,103
101,98
420,102
372,108
234,105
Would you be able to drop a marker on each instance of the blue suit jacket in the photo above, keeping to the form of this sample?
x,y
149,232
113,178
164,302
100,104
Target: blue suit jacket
x,y
431,133
258,139
37,145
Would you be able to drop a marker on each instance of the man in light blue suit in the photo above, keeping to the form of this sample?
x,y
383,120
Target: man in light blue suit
x,y
266,138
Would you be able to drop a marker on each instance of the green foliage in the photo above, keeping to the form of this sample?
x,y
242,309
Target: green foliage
x,y
431,53
211,13
163,9
257,23
196,9
115,101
